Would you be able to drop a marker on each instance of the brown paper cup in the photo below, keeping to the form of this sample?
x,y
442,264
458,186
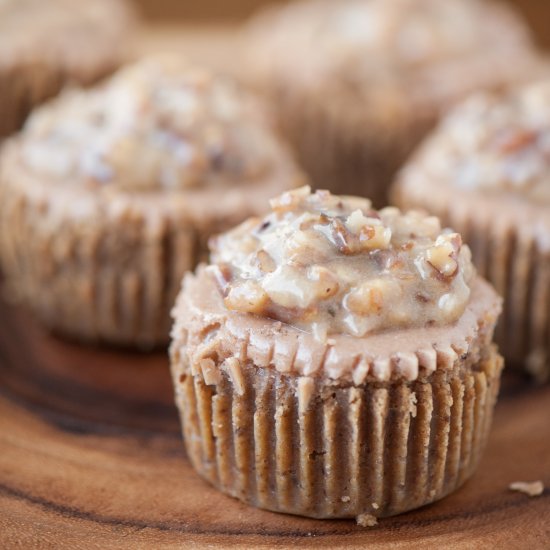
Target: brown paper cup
x,y
324,449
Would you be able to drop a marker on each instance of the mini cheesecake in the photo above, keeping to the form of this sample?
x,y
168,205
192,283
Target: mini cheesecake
x,y
486,172
48,44
336,361
109,195
357,83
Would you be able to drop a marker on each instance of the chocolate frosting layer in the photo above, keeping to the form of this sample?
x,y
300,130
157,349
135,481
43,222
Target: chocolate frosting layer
x,y
209,329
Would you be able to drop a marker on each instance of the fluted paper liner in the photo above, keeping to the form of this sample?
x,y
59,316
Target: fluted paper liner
x,y
324,446
510,243
414,353
306,446
21,88
346,149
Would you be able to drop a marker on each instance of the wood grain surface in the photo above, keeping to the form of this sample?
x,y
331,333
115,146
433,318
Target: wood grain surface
x,y
91,457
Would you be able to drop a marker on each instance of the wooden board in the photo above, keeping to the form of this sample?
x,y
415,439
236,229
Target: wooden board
x,y
91,457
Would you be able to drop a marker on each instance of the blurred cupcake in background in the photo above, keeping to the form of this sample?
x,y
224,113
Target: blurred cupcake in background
x,y
109,195
46,44
486,172
357,83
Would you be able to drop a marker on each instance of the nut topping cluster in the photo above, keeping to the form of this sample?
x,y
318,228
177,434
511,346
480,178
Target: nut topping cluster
x,y
496,143
333,265
158,123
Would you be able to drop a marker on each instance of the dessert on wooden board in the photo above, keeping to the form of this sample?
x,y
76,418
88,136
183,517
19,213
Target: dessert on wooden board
x,y
357,83
313,373
486,172
108,195
336,361
46,45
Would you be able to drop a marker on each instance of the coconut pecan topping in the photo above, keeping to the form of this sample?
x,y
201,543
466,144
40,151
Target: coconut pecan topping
x,y
158,123
332,265
496,143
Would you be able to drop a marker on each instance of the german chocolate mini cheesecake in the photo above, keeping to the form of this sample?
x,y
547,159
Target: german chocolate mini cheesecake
x,y
357,83
109,195
45,45
486,172
336,361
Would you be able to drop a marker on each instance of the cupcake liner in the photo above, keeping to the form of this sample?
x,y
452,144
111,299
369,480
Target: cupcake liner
x,y
21,88
324,448
346,151
24,86
511,253
113,281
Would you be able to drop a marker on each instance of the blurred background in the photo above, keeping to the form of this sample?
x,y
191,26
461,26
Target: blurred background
x,y
537,12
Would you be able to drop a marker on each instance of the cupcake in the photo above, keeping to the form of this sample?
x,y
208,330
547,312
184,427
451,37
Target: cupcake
x,y
336,361
358,82
108,196
47,44
486,172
